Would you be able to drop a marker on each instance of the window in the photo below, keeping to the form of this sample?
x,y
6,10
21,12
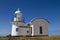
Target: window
x,y
16,29
27,31
15,15
40,29
31,30
19,19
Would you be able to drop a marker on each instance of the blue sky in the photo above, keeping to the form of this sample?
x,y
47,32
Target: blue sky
x,y
48,9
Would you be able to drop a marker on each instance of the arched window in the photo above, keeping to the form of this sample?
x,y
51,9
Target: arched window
x,y
40,30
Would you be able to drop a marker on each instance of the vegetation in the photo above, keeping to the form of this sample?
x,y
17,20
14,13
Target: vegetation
x,y
8,35
32,38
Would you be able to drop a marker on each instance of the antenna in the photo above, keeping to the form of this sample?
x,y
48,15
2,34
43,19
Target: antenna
x,y
18,9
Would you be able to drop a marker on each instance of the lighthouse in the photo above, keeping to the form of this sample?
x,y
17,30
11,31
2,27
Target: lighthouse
x,y
16,23
36,27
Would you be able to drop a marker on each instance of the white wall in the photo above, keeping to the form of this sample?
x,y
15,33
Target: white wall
x,y
23,31
32,26
14,33
36,25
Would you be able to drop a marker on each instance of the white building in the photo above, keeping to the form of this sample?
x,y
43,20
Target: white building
x,y
37,26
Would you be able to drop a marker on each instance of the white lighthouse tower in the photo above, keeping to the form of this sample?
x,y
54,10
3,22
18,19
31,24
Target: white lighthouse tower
x,y
16,23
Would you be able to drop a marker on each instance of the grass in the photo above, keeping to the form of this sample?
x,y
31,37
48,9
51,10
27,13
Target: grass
x,y
32,38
